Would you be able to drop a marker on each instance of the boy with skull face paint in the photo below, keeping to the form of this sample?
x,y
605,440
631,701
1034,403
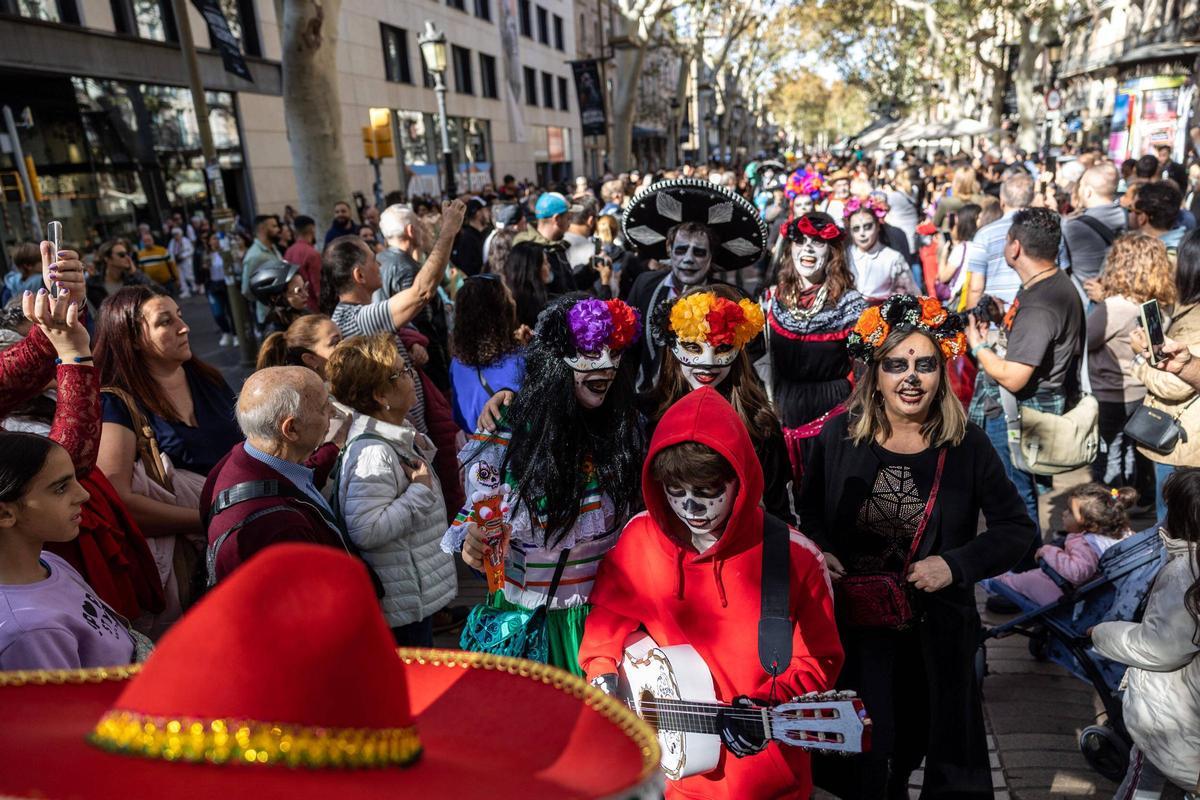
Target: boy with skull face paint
x,y
689,570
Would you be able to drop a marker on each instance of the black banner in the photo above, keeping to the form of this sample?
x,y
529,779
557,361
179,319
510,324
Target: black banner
x,y
222,39
590,92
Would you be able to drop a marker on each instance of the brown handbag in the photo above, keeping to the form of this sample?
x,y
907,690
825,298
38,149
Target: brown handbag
x,y
880,599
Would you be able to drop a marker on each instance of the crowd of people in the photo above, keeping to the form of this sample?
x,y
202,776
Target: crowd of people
x,y
643,375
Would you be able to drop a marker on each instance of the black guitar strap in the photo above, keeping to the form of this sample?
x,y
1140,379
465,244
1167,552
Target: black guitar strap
x,y
775,624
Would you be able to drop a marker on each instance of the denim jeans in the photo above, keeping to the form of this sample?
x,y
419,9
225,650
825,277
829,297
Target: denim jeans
x,y
997,432
415,634
218,304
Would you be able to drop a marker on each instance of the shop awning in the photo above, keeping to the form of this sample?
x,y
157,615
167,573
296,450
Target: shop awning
x,y
1160,51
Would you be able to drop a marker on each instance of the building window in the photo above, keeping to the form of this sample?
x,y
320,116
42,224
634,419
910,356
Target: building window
x,y
459,4
543,23
146,19
530,86
46,10
563,105
525,14
483,9
547,90
487,76
463,84
395,54
558,33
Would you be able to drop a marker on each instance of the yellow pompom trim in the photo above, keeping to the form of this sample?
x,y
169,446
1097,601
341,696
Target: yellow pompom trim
x,y
689,316
231,741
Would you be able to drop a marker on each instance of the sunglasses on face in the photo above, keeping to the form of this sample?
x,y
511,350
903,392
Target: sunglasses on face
x,y
299,290
925,365
121,254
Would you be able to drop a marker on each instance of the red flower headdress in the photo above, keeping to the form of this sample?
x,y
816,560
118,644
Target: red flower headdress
x,y
907,313
817,224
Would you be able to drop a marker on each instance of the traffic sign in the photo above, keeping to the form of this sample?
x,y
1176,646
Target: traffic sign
x,y
1053,100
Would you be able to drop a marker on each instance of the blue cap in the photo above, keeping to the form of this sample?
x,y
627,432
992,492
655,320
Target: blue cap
x,y
551,204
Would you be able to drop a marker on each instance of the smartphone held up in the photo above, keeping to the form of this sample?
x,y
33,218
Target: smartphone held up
x,y
1153,325
54,236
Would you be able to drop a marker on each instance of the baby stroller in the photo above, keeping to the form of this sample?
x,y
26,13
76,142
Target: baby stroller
x,y
1057,632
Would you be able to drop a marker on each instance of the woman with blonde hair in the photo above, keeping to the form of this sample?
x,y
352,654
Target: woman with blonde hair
x,y
307,342
964,188
1136,269
892,494
387,493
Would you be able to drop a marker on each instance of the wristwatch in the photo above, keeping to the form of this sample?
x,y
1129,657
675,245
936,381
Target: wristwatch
x,y
1138,359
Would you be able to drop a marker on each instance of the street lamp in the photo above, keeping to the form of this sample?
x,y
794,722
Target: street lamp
x,y
433,52
673,132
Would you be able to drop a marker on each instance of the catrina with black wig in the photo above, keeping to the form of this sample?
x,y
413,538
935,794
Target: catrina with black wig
x,y
570,449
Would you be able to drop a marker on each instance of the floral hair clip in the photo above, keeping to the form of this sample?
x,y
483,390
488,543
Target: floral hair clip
x,y
856,204
905,312
707,318
816,224
600,331
804,182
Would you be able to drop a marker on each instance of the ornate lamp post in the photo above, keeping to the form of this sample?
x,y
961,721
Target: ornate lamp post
x,y
433,52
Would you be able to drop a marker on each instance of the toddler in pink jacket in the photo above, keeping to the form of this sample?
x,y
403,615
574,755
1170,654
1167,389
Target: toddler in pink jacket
x,y
1096,518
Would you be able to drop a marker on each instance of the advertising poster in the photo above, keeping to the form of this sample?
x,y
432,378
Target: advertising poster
x,y
591,97
222,40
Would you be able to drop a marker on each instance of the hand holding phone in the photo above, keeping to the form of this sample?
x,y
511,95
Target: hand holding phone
x,y
54,236
1153,325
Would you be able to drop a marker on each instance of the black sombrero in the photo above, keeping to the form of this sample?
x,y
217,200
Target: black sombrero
x,y
661,206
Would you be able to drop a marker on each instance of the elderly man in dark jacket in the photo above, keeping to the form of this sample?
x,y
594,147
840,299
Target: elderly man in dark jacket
x,y
267,489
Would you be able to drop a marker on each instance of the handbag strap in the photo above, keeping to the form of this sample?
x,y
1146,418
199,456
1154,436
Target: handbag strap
x,y
558,573
774,624
933,493
483,382
145,442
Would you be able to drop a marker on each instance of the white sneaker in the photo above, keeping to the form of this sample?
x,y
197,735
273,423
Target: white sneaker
x,y
226,339
235,342
185,294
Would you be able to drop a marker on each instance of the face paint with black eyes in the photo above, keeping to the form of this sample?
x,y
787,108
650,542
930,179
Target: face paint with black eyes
x,y
690,258
908,385
703,509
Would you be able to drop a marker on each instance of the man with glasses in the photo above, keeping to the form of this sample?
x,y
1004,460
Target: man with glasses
x,y
114,270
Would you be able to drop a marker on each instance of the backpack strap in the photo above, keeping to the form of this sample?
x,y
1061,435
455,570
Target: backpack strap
x,y
1103,231
775,624
210,558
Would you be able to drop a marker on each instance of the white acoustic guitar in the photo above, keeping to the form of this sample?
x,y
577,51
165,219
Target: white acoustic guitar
x,y
671,688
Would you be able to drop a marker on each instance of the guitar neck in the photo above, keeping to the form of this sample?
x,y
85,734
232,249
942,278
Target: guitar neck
x,y
692,717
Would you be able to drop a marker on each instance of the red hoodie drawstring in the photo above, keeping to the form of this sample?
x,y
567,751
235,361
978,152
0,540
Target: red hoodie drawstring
x,y
679,573
720,586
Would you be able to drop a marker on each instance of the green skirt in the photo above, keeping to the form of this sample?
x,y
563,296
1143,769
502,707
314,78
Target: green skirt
x,y
564,631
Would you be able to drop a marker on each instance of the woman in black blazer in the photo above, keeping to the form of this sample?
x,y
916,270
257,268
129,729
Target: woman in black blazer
x,y
866,492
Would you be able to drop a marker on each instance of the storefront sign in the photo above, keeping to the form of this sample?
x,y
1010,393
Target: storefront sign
x,y
423,180
222,39
591,97
474,177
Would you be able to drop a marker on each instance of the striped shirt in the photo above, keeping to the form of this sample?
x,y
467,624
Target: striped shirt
x,y
999,279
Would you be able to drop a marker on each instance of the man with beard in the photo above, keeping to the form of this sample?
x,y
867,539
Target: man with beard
x,y
343,222
264,250
693,228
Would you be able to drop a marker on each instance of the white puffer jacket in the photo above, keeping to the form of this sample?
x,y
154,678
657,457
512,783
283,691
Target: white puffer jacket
x,y
397,524
1162,697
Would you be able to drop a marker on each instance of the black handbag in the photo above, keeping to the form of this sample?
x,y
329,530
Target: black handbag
x,y
1156,430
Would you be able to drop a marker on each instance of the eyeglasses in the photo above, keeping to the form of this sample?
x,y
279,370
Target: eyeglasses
x,y
121,254
407,371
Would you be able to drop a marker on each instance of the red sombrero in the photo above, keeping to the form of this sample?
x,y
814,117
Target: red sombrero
x,y
284,682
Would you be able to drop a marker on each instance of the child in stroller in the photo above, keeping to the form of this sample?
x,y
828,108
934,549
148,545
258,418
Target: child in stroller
x,y
1058,632
1095,519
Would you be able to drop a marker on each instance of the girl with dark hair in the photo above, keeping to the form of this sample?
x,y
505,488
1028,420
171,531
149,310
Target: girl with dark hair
x,y
307,342
1095,519
570,449
486,353
952,282
1167,392
893,495
707,330
1162,694
809,314
527,273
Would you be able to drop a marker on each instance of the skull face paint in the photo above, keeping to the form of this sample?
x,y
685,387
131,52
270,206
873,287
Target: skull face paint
x,y
594,376
702,364
909,376
864,230
809,258
704,510
690,258
802,204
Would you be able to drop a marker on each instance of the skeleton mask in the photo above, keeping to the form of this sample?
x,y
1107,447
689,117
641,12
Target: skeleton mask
x,y
809,258
702,509
864,230
592,383
703,364
591,362
690,258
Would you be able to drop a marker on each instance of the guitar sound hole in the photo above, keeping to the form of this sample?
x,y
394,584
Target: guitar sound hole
x,y
649,715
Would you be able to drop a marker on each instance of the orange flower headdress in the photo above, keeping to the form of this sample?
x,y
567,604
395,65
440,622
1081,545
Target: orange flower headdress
x,y
907,313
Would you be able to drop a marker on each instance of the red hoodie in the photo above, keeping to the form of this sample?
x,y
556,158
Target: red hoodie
x,y
654,578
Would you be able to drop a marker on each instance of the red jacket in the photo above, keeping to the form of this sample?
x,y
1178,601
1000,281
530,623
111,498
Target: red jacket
x,y
655,578
298,522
